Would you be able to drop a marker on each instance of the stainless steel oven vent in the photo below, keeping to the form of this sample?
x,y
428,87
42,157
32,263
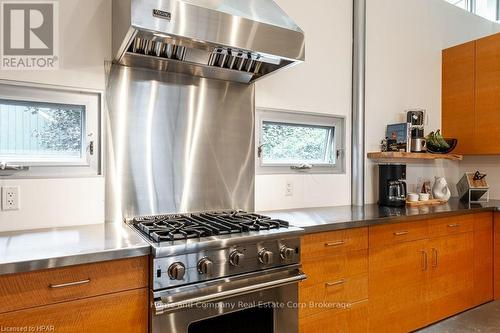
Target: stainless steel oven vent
x,y
236,60
171,54
157,49
231,40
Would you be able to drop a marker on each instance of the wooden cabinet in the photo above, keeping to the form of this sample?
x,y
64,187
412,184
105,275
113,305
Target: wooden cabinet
x,y
420,279
458,102
487,95
30,289
109,296
124,312
336,291
451,276
496,273
483,258
397,286
398,277
471,96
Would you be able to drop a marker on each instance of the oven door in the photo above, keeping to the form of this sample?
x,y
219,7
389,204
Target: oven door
x,y
263,302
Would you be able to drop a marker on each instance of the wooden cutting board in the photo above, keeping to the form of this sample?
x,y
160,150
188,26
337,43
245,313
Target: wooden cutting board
x,y
430,202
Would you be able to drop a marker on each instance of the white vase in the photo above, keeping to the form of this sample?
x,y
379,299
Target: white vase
x,y
440,189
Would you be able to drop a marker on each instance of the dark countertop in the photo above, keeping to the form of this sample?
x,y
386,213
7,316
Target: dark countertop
x,y
30,250
345,217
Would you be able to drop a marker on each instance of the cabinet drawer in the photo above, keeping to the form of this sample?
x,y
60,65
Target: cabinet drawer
x,y
398,232
333,294
125,312
334,267
323,244
353,320
451,225
26,290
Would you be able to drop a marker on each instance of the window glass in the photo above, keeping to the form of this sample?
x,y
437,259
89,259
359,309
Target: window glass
x,y
486,9
294,141
284,143
33,131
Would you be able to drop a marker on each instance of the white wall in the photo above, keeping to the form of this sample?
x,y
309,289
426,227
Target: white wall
x,y
85,42
404,43
322,84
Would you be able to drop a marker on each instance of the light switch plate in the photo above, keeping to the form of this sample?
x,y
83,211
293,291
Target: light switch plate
x,y
10,198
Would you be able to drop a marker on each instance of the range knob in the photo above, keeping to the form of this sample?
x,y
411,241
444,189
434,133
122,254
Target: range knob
x,y
236,257
205,266
176,271
266,257
287,253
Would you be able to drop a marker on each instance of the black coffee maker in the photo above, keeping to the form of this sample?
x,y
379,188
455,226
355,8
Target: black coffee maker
x,y
392,185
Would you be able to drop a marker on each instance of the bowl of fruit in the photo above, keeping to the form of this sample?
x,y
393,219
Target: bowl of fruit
x,y
436,144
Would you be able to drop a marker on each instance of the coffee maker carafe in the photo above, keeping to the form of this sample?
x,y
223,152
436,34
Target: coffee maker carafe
x,y
392,185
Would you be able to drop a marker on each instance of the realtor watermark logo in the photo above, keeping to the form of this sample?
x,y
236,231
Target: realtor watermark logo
x,y
29,35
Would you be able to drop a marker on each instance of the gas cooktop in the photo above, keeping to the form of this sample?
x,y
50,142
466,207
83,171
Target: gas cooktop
x,y
161,228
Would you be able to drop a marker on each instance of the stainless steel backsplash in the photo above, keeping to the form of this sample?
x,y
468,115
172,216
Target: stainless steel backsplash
x,y
177,144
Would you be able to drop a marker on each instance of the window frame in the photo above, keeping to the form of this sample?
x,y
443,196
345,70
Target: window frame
x,y
293,117
88,164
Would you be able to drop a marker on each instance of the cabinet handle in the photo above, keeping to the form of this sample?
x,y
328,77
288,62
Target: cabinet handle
x,y
456,225
69,284
337,243
424,261
335,283
401,233
435,255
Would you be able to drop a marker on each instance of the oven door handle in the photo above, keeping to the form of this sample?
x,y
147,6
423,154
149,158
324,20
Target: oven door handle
x,y
161,307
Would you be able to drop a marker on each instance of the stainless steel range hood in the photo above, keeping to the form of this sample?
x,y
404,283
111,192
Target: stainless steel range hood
x,y
233,40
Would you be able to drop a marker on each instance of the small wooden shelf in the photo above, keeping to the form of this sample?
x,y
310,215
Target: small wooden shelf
x,y
393,155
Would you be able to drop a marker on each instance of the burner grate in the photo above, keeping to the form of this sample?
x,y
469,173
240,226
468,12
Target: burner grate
x,y
174,227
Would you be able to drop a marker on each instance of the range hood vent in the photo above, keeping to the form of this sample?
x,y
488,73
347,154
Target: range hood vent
x,y
204,38
157,49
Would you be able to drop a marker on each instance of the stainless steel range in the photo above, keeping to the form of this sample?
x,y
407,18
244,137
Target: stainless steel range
x,y
217,270
180,139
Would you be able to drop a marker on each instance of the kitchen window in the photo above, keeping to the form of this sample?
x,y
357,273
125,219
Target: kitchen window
x,y
48,132
291,142
489,9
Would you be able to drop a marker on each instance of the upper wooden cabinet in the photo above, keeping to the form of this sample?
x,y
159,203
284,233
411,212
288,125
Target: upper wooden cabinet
x,y
488,95
471,96
458,96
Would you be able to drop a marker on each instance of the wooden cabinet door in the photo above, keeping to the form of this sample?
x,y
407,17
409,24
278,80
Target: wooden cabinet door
x,y
483,258
451,278
458,108
397,287
488,95
496,256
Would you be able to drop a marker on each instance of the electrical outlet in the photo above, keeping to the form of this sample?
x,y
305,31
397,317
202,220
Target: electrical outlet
x,y
10,198
289,189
